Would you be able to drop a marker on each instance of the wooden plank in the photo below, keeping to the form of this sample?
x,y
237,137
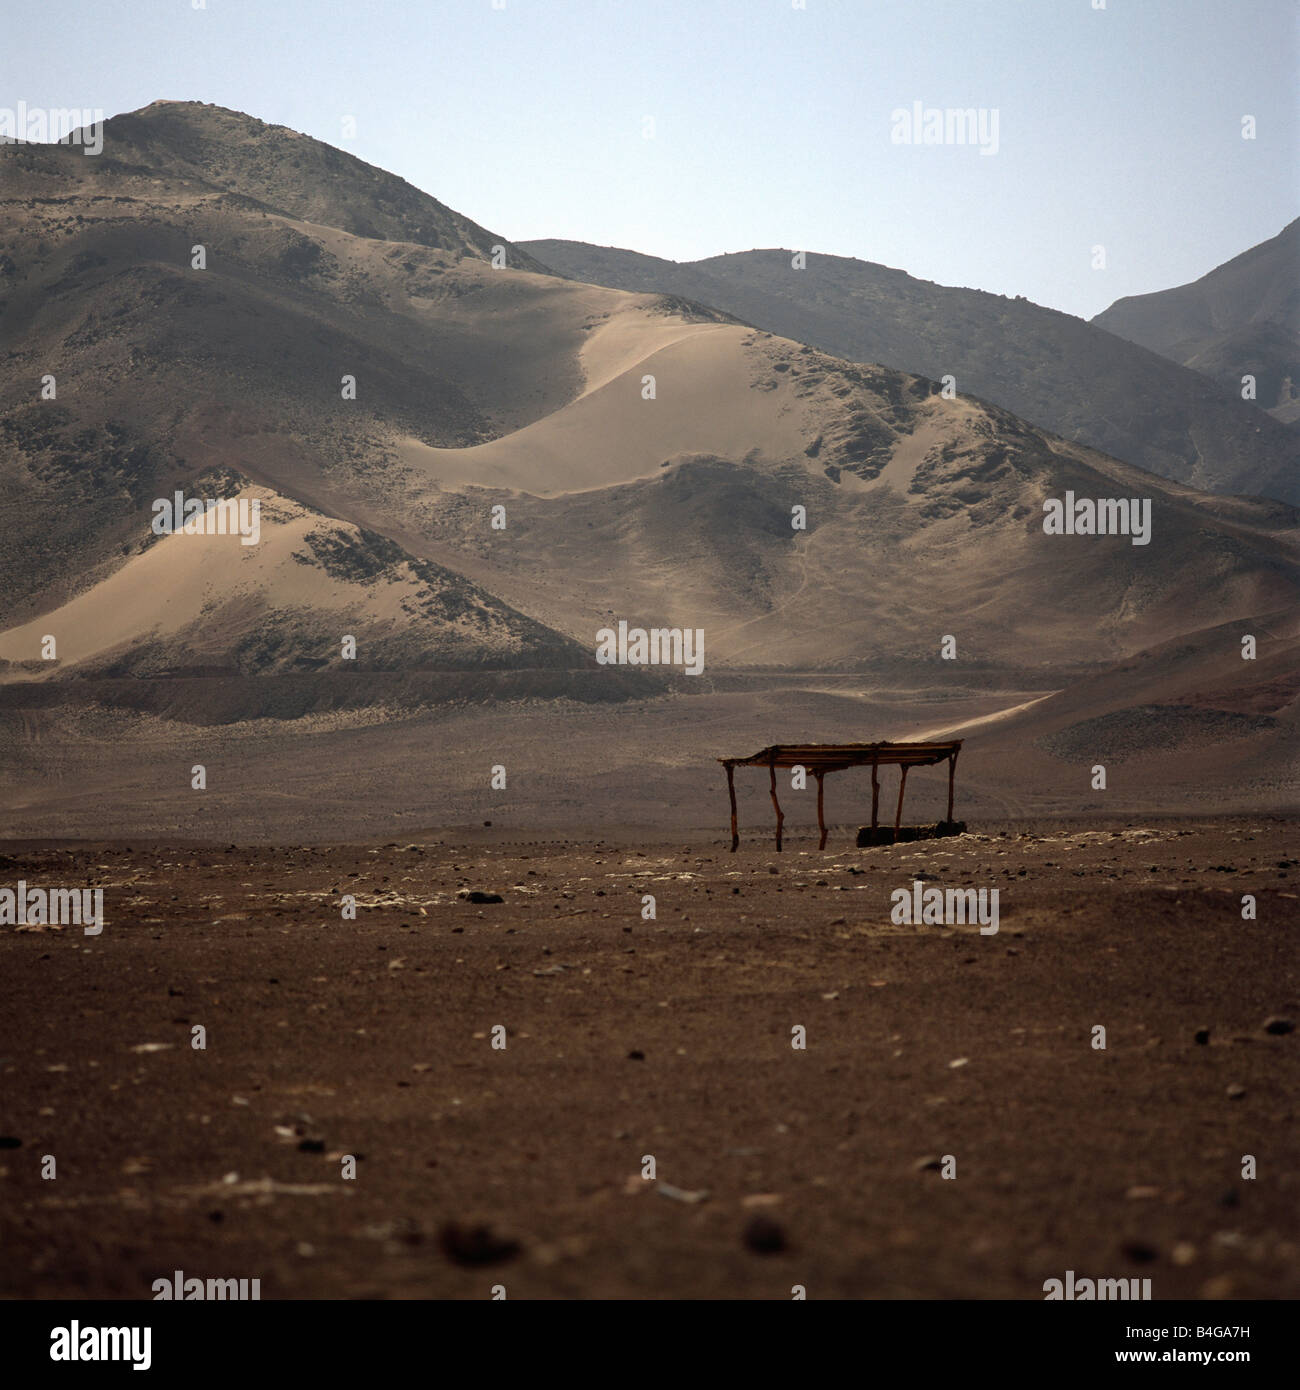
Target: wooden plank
x,y
821,820
731,791
898,815
779,817
875,794
837,756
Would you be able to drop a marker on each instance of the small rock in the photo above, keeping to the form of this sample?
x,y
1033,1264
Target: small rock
x,y
1202,1036
1184,1253
476,896
680,1194
311,1146
764,1237
1278,1026
1236,1091
9,1141
475,1245
1139,1252
929,1164
1141,1192
636,1055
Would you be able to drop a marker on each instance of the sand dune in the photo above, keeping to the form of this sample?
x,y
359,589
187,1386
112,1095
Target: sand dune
x,y
610,435
1066,375
191,598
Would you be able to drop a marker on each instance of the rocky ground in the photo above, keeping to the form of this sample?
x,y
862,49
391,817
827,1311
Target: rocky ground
x,y
929,1049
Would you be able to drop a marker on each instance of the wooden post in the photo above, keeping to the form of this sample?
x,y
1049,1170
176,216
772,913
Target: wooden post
x,y
731,791
776,803
898,815
952,770
821,822
875,798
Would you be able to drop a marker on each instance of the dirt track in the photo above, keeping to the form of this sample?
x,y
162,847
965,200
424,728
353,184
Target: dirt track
x,y
669,1038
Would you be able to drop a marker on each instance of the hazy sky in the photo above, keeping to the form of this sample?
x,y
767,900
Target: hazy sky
x,y
772,124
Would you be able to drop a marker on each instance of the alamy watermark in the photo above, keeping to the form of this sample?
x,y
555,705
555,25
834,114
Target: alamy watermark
x,y
38,125
953,125
194,1289
944,907
55,907
656,646
209,516
77,1343
1104,516
1100,1290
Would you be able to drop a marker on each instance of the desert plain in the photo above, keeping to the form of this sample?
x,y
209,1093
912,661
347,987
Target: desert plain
x,y
929,1050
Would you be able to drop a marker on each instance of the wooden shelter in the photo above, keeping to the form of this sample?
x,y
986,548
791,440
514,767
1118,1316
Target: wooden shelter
x,y
821,758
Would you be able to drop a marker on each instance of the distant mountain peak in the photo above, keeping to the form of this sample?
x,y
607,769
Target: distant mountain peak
x,y
1239,320
293,173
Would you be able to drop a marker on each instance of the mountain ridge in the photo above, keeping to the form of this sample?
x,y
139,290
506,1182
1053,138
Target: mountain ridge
x,y
1242,317
646,454
1056,370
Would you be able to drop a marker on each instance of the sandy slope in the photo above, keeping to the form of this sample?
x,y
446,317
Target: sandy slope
x,y
610,435
1071,377
197,596
168,587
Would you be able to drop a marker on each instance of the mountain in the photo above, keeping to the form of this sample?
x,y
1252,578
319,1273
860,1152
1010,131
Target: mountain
x,y
198,146
1241,318
1063,374
165,376
471,470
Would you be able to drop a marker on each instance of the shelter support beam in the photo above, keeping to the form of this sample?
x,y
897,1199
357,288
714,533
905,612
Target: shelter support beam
x,y
898,814
731,791
779,817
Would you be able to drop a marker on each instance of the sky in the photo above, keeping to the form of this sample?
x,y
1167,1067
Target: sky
x,y
689,128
